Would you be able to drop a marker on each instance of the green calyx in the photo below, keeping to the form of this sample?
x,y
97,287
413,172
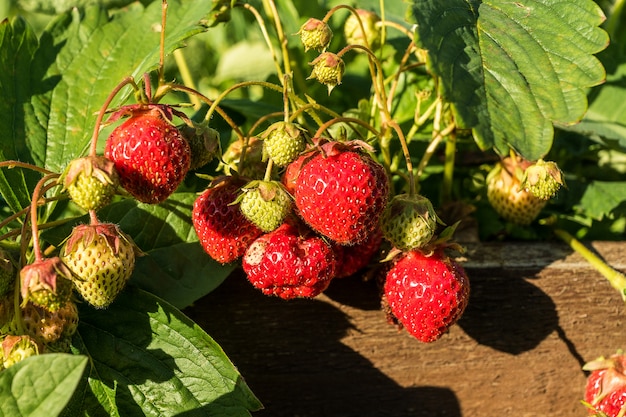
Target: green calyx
x,y
409,222
265,203
91,182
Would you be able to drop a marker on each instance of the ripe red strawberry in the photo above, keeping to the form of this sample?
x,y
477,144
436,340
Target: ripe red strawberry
x,y
150,155
426,293
290,176
289,264
222,229
351,259
341,192
605,391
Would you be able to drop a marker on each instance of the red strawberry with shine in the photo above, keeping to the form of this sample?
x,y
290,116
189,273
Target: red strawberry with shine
x,y
605,391
289,264
150,155
341,192
223,230
426,294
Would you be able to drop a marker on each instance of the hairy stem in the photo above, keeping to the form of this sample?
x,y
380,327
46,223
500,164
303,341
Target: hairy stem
x,y
105,106
615,278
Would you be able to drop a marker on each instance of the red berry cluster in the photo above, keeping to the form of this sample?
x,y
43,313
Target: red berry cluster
x,y
339,192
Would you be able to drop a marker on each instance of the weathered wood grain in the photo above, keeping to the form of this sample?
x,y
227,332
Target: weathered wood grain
x,y
536,313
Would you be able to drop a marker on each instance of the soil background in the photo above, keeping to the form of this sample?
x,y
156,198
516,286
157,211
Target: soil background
x,y
537,313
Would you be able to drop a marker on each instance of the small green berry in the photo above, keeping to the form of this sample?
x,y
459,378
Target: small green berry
x,y
266,204
328,69
315,34
283,142
409,222
354,34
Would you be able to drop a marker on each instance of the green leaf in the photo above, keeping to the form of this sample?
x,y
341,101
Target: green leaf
x,y
17,48
180,274
154,226
513,69
40,385
55,91
607,104
604,199
148,359
60,6
174,267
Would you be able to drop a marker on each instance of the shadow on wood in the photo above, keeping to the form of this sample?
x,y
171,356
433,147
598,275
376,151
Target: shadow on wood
x,y
517,351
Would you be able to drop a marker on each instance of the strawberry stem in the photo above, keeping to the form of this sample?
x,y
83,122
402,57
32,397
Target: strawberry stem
x,y
320,130
93,218
39,190
161,71
105,106
615,278
448,169
268,41
13,164
202,97
186,76
270,9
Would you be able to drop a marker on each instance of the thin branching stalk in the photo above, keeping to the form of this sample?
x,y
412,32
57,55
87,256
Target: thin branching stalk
x,y
615,278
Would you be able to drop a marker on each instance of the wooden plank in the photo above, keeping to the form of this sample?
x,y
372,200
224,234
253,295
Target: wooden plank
x,y
536,313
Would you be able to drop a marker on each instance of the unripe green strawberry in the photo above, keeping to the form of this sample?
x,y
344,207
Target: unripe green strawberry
x,y
46,283
91,181
101,258
49,328
7,272
204,143
315,34
543,179
409,222
283,142
265,203
253,166
17,348
506,196
328,69
355,35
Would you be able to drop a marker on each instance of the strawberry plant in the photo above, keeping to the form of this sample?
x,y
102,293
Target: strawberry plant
x,y
151,147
